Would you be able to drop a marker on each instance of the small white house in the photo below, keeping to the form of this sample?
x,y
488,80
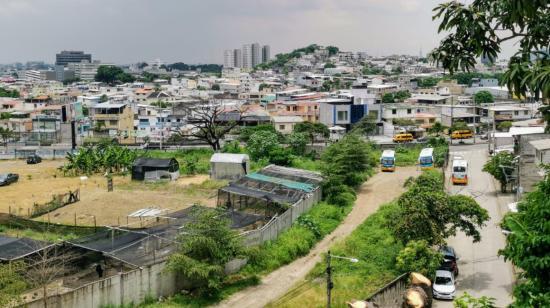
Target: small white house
x,y
227,166
285,124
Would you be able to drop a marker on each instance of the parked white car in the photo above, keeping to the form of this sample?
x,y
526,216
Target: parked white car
x,y
444,285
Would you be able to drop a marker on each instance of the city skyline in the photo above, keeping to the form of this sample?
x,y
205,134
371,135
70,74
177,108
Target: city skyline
x,y
125,32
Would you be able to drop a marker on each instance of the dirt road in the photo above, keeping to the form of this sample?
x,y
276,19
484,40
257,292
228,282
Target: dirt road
x,y
380,189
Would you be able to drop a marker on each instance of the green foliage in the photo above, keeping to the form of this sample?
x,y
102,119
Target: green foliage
x,y
191,164
232,147
6,134
418,256
504,126
9,93
112,74
465,78
459,125
105,157
204,68
5,115
401,95
427,213
297,241
481,28
483,97
215,87
246,132
428,82
297,142
347,161
261,143
468,301
201,156
493,167
371,70
12,283
312,130
388,98
332,50
365,126
329,65
527,247
103,98
206,243
282,59
161,104
437,129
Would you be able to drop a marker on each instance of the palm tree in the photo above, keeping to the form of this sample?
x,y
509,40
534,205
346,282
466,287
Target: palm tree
x,y
437,129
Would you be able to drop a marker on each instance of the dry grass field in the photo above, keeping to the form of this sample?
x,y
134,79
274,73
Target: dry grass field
x,y
38,183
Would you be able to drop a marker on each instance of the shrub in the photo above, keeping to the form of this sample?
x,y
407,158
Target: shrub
x,y
418,256
341,199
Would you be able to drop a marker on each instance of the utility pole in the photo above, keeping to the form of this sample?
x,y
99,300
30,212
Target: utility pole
x,y
329,279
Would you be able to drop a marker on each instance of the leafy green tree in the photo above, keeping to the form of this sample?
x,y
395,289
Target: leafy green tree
x,y
459,125
347,161
12,283
528,244
206,244
247,132
500,166
332,50
396,71
312,130
428,82
216,87
232,147
401,95
371,70
418,256
329,65
427,213
103,98
261,143
504,126
112,74
388,98
437,129
365,126
468,301
481,28
483,97
6,134
297,142
9,93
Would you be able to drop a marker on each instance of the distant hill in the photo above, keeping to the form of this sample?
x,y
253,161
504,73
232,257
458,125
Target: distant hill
x,y
282,59
204,68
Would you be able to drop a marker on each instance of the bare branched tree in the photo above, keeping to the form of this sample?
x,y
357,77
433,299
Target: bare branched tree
x,y
47,265
212,121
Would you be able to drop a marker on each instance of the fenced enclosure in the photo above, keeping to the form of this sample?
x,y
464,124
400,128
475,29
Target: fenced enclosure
x,y
391,295
282,222
58,201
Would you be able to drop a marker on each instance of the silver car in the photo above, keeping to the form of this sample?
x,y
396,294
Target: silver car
x,y
444,285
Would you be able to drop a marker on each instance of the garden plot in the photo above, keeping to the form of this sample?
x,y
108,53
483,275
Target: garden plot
x,y
39,182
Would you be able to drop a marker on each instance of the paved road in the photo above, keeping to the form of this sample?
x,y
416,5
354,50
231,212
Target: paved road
x,y
482,272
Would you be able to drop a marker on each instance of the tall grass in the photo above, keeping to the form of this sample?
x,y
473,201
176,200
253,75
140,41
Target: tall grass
x,y
375,247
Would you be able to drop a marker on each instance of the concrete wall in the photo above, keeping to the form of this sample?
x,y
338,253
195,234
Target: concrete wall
x,y
282,222
118,290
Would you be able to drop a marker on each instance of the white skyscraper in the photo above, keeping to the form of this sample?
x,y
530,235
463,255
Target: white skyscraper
x,y
238,57
247,56
229,58
256,54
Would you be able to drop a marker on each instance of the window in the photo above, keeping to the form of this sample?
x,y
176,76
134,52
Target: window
x,y
342,115
516,112
113,122
281,127
409,111
525,112
394,111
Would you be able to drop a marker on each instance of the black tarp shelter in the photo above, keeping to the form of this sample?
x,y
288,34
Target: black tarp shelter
x,y
156,168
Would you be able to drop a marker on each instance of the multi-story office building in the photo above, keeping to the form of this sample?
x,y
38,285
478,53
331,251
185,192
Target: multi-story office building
x,y
247,56
266,53
85,70
256,54
66,57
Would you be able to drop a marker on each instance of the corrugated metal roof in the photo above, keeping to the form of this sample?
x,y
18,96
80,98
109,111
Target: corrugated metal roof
x,y
542,144
228,158
287,183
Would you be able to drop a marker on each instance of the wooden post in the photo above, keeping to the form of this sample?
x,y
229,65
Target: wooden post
x,y
95,225
75,219
119,221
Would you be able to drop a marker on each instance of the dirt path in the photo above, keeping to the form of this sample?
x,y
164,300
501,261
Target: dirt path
x,y
381,188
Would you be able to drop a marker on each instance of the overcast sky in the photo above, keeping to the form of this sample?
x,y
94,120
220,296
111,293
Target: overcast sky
x,y
197,31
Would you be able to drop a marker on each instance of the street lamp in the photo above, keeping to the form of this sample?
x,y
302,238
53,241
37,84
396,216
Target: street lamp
x,y
330,285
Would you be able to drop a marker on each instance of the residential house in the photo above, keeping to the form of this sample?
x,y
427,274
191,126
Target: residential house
x,y
114,121
285,124
340,111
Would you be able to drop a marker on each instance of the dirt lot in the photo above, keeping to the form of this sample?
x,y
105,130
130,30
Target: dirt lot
x,y
37,184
